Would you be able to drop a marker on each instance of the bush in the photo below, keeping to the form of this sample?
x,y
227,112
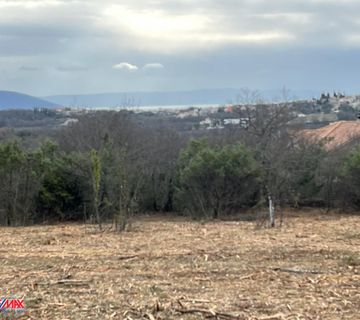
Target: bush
x,y
350,179
62,186
213,181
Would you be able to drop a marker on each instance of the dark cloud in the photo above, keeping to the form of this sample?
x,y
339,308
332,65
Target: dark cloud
x,y
70,68
74,44
29,68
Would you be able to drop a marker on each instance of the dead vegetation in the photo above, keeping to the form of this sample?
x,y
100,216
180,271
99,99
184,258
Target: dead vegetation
x,y
174,269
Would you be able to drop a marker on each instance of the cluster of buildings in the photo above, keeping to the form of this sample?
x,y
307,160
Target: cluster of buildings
x,y
215,123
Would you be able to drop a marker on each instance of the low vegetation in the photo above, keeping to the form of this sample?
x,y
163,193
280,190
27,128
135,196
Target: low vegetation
x,y
109,166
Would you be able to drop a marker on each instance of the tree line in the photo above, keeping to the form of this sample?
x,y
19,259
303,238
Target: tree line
x,y
110,167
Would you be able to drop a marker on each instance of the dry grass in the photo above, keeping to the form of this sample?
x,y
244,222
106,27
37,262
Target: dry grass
x,y
173,269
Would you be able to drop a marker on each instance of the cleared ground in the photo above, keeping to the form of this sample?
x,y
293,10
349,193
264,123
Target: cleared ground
x,y
174,269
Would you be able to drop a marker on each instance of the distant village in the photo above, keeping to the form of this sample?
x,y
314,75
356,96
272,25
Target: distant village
x,y
314,113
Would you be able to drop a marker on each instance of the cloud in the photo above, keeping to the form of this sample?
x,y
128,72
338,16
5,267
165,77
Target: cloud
x,y
125,66
152,66
29,68
353,39
70,68
155,30
132,67
28,4
173,26
207,43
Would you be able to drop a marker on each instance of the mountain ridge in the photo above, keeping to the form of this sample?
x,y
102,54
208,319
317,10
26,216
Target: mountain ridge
x,y
17,100
162,98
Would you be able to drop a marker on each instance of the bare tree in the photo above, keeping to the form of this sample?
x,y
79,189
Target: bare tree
x,y
96,171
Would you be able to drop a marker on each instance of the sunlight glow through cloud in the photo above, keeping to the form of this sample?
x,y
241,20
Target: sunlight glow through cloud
x,y
177,44
162,31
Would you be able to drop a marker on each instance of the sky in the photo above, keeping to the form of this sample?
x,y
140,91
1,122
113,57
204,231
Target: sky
x,y
91,46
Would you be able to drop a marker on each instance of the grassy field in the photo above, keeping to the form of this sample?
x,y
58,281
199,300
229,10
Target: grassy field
x,y
175,269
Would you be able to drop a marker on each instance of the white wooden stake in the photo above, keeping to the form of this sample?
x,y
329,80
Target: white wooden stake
x,y
271,212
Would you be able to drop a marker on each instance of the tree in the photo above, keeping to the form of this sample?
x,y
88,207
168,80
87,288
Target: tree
x,y
96,172
62,187
269,136
158,170
12,160
121,187
346,112
350,177
301,172
214,180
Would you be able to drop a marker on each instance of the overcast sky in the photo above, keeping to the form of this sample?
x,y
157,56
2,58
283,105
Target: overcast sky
x,y
91,46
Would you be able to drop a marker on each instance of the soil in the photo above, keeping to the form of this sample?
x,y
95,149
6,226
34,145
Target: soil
x,y
169,268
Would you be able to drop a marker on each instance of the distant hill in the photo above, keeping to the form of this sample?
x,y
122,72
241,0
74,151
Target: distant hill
x,y
15,100
128,99
171,98
336,134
